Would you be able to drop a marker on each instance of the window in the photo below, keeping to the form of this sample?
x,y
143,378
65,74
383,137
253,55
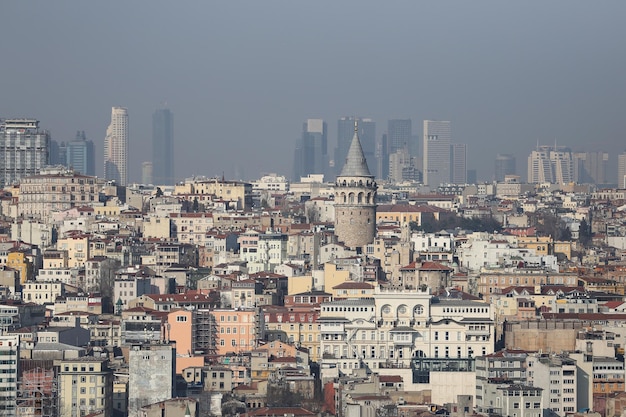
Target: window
x,y
181,318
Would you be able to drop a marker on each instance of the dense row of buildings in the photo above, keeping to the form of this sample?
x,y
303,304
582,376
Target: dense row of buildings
x,y
351,298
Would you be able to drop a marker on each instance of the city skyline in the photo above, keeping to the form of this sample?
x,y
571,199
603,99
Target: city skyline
x,y
240,103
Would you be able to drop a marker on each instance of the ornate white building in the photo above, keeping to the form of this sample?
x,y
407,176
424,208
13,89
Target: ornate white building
x,y
430,341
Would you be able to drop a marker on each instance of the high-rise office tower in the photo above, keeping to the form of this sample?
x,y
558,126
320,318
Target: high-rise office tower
x,y
621,170
80,154
591,167
382,156
399,134
56,153
163,147
458,163
437,138
367,135
147,173
311,155
24,149
116,147
551,164
355,199
504,165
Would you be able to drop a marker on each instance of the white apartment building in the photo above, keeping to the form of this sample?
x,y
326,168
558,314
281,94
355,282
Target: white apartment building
x,y
42,292
431,342
9,351
556,376
271,182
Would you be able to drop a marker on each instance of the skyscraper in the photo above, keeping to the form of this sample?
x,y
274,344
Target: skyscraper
x,y
458,163
504,165
621,170
399,134
437,138
345,132
311,155
116,147
80,155
24,149
163,147
548,164
591,167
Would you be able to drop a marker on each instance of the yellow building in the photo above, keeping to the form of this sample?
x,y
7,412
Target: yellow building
x,y
540,244
403,214
17,260
236,192
333,276
77,247
85,386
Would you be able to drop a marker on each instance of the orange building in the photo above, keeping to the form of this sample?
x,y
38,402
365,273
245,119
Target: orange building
x,y
238,330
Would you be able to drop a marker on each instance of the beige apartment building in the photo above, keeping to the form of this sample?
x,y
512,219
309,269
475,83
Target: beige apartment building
x,y
56,189
77,248
85,387
239,194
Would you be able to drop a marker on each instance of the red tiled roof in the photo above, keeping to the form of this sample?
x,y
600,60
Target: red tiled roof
x,y
434,266
352,285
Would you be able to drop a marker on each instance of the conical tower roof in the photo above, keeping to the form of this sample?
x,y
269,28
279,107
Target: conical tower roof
x,y
356,165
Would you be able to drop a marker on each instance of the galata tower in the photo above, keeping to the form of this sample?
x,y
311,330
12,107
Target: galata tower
x,y
355,199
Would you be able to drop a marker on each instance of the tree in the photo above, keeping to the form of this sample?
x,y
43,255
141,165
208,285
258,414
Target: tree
x,y
584,233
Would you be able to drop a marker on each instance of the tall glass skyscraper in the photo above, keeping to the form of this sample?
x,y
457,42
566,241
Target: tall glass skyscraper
x,y
311,155
80,155
116,147
163,147
437,139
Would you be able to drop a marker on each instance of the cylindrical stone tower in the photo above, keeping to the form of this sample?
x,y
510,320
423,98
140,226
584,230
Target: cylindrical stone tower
x,y
355,199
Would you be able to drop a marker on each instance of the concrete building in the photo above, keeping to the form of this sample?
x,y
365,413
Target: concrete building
x,y
163,147
24,149
151,371
437,140
116,147
355,199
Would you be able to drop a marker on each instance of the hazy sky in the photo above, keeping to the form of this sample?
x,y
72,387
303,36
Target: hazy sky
x,y
242,76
